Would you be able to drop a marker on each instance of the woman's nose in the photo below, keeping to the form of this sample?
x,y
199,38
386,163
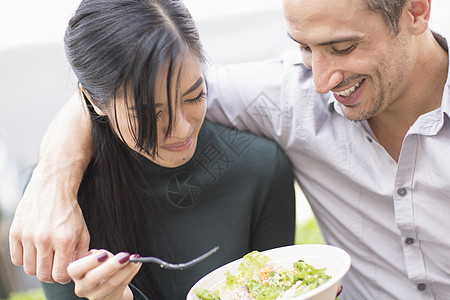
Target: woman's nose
x,y
181,126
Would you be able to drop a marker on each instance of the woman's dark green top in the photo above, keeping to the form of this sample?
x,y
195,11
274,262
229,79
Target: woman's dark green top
x,y
236,193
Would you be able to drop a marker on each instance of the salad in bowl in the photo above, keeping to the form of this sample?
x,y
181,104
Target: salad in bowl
x,y
292,272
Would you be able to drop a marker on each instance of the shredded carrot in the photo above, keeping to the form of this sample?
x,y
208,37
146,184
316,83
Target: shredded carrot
x,y
264,274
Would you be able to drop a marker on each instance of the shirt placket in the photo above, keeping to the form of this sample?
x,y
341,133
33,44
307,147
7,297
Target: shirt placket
x,y
403,196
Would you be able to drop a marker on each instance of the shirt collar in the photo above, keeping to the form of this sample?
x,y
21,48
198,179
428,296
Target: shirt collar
x,y
446,95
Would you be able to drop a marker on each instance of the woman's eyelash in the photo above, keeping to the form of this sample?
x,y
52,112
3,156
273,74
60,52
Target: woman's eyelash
x,y
198,99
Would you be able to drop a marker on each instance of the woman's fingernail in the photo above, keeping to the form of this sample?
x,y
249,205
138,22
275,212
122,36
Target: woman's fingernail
x,y
339,290
135,256
125,258
88,253
102,257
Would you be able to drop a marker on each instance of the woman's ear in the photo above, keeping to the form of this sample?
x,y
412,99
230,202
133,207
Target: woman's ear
x,y
86,94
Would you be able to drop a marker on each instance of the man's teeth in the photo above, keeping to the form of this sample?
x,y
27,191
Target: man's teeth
x,y
348,91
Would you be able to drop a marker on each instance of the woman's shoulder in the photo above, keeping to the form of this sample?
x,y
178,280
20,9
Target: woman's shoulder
x,y
240,143
239,148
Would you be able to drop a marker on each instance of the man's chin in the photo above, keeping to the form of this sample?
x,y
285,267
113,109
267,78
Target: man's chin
x,y
352,113
356,112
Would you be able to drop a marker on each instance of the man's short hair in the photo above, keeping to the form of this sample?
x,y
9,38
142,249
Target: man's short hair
x,y
389,10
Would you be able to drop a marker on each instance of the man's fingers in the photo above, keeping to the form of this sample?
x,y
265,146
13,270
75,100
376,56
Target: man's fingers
x,y
29,259
44,264
83,245
60,263
15,251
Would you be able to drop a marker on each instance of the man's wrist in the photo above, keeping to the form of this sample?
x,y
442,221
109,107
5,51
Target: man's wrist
x,y
64,175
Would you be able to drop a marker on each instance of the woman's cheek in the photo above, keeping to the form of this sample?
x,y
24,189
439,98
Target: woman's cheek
x,y
123,130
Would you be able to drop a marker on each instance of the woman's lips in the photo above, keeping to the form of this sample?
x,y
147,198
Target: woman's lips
x,y
353,98
178,147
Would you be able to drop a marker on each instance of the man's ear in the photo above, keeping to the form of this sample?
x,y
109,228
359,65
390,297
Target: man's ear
x,y
86,94
419,14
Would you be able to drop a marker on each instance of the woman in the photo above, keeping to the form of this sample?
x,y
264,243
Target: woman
x,y
163,182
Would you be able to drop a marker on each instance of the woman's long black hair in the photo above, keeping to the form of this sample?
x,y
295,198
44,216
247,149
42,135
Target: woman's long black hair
x,y
116,48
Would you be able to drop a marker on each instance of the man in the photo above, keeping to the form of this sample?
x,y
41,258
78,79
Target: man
x,y
363,116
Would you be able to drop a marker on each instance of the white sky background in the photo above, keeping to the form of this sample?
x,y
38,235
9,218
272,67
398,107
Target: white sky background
x,y
39,21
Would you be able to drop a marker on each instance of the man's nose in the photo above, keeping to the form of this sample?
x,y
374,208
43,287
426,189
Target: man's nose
x,y
326,75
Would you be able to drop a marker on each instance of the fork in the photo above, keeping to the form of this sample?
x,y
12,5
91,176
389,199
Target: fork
x,y
180,266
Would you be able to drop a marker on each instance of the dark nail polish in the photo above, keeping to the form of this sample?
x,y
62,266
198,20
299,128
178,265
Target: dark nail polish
x,y
339,290
125,258
134,256
102,257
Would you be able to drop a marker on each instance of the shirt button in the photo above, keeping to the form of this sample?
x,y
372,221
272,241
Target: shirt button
x,y
369,139
421,286
409,241
401,192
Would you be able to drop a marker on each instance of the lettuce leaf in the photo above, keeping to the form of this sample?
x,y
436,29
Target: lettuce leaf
x,y
261,291
251,264
205,294
266,282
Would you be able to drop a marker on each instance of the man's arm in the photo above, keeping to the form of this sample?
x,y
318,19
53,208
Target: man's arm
x,y
48,230
248,96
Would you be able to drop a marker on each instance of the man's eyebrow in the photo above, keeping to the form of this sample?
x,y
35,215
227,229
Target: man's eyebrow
x,y
352,38
340,40
290,36
194,86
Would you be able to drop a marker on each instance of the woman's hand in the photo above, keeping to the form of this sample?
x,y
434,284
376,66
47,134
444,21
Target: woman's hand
x,y
102,275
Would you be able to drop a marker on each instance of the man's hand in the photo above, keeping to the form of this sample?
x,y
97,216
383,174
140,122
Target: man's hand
x,y
48,231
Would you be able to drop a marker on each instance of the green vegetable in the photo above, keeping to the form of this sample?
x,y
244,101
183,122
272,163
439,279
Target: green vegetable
x,y
205,294
264,282
231,281
262,292
251,264
283,278
310,275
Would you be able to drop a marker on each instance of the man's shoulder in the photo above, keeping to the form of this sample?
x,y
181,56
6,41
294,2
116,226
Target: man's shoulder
x,y
260,73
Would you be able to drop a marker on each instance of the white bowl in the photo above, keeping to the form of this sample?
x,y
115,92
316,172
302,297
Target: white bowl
x,y
335,260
